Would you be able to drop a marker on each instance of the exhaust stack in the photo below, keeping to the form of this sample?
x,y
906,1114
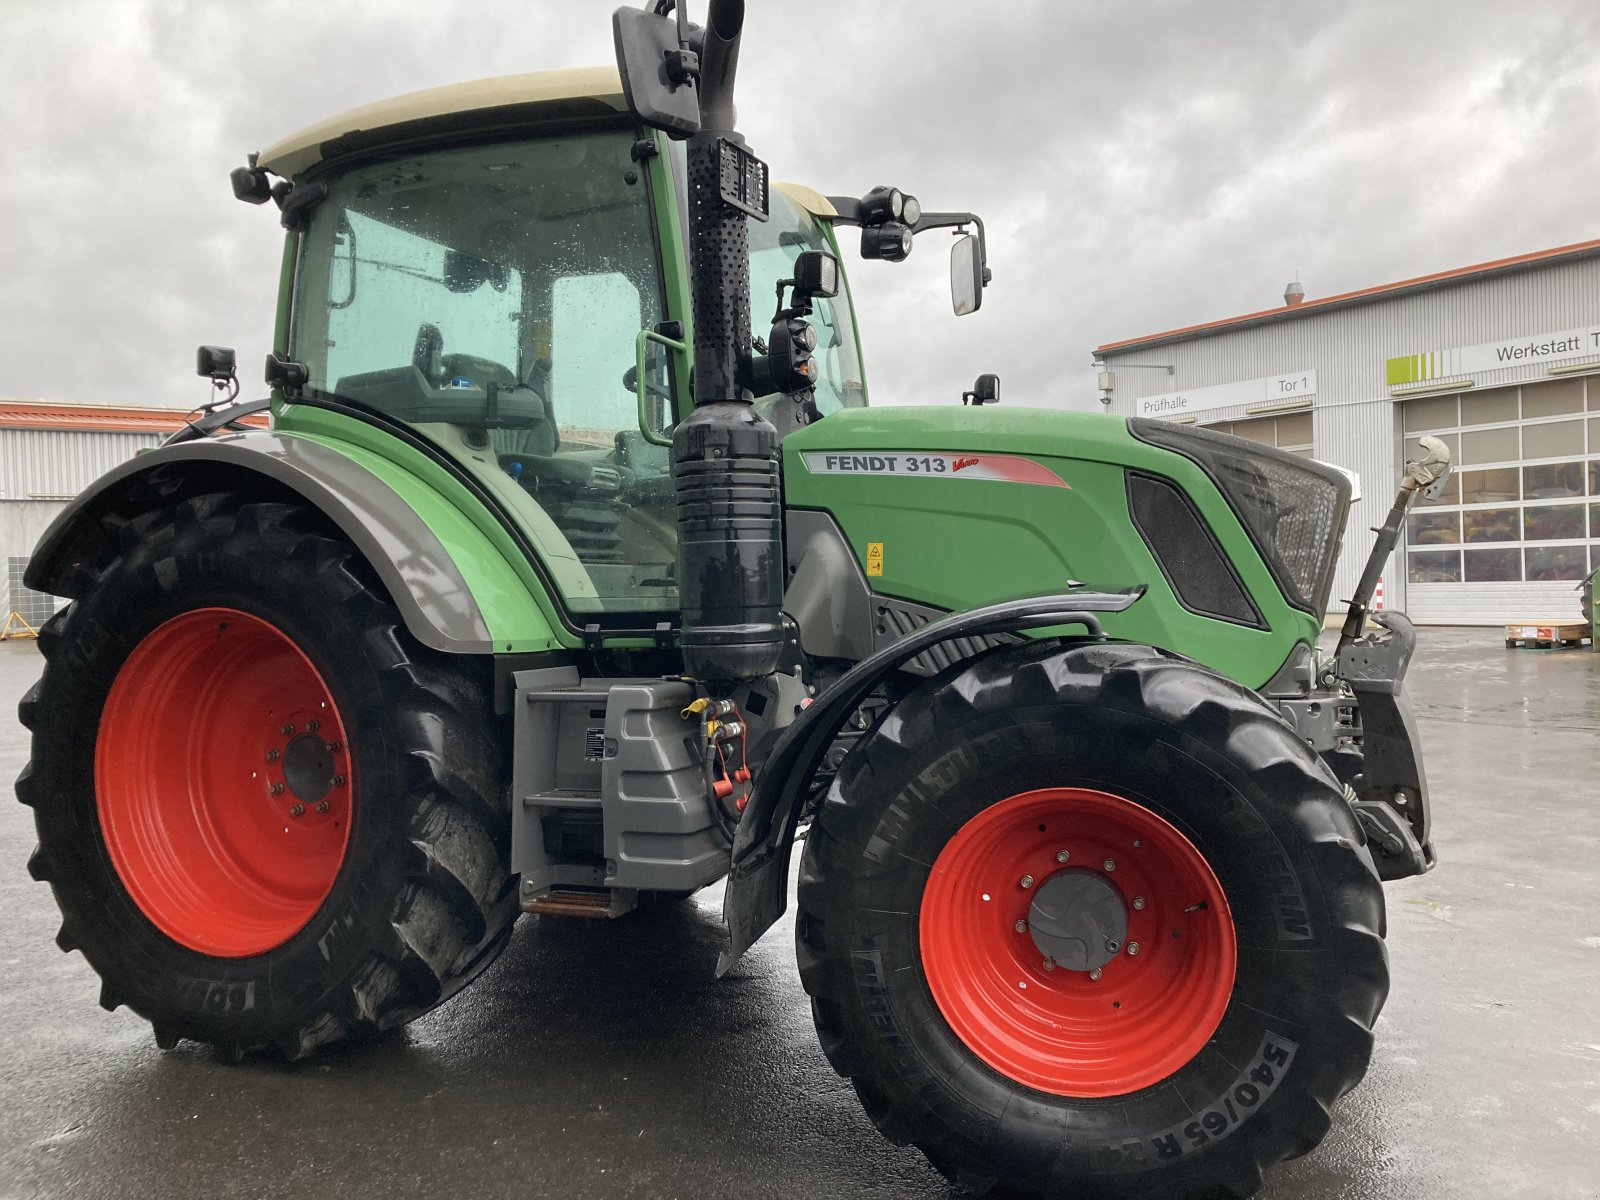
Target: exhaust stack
x,y
724,454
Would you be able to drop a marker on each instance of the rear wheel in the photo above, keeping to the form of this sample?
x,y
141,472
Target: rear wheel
x,y
1092,921
269,817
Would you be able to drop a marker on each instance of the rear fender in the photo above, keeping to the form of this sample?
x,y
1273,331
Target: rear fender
x,y
435,587
758,883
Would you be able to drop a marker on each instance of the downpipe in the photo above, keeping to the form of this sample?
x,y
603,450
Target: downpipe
x,y
724,454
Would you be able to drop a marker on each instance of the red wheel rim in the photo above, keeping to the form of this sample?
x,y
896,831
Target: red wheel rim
x,y
1058,1030
223,780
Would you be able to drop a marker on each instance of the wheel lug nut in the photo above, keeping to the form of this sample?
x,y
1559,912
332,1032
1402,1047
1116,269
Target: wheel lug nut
x,y
1027,881
286,730
1133,948
322,806
1062,855
1111,864
335,747
298,810
1138,902
272,756
313,726
338,781
1022,927
1049,964
1095,974
277,789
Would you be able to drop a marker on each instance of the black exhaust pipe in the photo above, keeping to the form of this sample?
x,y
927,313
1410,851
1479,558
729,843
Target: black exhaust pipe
x,y
724,454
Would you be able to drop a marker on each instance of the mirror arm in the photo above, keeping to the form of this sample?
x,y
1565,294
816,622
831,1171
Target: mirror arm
x,y
958,221
848,208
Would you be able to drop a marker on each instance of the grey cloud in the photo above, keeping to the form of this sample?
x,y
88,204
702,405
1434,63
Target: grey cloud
x,y
1140,166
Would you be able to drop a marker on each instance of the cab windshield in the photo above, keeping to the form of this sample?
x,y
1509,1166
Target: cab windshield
x,y
490,297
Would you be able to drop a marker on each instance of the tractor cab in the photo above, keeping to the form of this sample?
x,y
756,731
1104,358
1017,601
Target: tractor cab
x,y
519,303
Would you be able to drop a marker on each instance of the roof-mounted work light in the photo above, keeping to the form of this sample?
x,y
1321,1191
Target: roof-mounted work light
x,y
890,241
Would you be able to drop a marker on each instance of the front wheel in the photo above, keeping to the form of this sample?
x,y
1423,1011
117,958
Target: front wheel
x,y
270,818
1092,920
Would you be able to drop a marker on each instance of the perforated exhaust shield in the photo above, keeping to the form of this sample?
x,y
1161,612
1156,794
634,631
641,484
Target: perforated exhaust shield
x,y
1292,508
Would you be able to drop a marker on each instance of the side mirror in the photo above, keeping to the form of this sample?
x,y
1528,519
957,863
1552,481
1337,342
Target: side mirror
x,y
966,278
985,390
659,72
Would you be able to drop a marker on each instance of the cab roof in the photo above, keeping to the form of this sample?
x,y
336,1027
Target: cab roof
x,y
456,107
479,104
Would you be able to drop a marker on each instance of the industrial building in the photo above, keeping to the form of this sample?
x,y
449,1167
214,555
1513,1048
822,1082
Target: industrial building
x,y
1500,360
50,450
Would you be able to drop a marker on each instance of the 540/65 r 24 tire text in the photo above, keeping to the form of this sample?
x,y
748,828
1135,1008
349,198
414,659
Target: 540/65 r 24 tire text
x,y
269,817
1091,920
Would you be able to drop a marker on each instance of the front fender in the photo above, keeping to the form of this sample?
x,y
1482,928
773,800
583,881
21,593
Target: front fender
x,y
758,884
437,587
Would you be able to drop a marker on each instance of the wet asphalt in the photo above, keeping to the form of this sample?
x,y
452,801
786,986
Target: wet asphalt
x,y
603,1060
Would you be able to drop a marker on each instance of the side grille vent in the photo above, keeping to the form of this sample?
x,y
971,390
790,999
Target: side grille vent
x,y
1186,551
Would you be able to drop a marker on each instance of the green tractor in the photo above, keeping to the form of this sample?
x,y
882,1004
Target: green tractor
x,y
552,588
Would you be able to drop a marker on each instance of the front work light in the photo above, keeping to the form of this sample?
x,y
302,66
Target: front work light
x,y
890,242
882,204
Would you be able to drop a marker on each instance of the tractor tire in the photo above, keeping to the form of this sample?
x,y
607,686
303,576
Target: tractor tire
x,y
271,819
1091,920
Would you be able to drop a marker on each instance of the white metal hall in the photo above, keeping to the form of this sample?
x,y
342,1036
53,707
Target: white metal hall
x,y
1500,360
50,450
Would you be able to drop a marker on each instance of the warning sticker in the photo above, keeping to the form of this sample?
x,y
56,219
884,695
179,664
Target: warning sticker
x,y
1003,468
874,558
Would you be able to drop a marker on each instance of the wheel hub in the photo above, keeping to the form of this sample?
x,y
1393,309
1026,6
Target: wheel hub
x,y
1078,919
308,767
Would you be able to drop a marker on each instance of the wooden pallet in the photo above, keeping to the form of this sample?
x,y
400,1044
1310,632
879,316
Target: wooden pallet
x,y
1549,635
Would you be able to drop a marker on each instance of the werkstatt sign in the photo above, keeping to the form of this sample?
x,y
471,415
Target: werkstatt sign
x,y
1290,386
1494,356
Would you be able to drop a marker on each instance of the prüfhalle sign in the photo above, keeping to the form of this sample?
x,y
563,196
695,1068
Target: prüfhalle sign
x,y
1271,389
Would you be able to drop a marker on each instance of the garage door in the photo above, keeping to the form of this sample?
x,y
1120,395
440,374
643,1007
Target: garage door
x,y
1519,526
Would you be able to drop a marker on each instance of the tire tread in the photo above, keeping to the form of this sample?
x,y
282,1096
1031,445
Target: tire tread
x,y
1203,706
454,917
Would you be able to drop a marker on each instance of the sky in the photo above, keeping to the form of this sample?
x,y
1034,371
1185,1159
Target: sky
x,y
1139,166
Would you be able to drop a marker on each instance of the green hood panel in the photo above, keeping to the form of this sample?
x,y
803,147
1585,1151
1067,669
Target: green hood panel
x,y
960,507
